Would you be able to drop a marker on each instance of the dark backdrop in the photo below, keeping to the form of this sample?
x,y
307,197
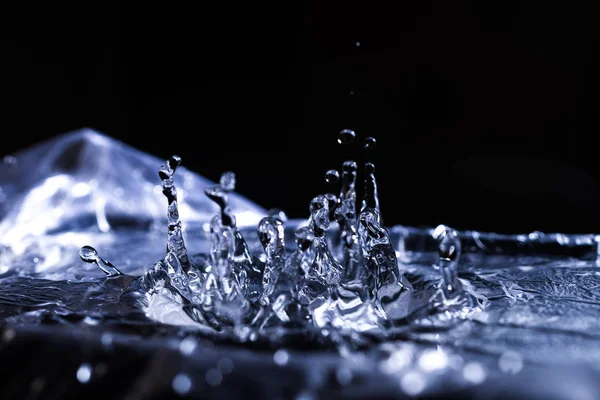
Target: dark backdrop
x,y
484,114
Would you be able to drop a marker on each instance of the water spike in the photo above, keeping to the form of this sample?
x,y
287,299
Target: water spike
x,y
175,242
89,254
324,264
392,293
450,251
223,297
331,179
271,236
371,198
246,267
301,259
346,212
219,194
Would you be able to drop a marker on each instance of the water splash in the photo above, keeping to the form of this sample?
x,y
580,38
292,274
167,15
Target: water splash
x,y
349,279
416,308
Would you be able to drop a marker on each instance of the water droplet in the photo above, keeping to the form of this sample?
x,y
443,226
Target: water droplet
x,y
227,181
473,372
106,340
370,143
357,44
213,377
281,357
449,243
225,365
510,362
413,383
278,214
9,334
88,254
187,346
332,176
84,373
182,384
346,136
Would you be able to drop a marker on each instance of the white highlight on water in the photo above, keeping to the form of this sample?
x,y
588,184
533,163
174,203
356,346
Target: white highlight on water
x,y
84,373
182,384
281,357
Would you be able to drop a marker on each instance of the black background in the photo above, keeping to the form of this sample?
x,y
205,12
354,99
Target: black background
x,y
484,114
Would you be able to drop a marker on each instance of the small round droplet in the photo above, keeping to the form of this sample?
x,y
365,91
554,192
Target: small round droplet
x,y
346,136
182,384
370,143
332,176
413,383
357,44
174,162
278,214
227,182
369,168
281,357
84,373
350,166
449,242
88,254
187,345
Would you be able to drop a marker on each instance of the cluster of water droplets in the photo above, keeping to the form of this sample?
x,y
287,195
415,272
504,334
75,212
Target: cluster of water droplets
x,y
348,278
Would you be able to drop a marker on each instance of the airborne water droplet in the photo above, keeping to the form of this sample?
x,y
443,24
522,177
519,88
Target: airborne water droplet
x,y
370,143
182,384
227,181
278,214
84,373
332,176
88,254
281,357
346,136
